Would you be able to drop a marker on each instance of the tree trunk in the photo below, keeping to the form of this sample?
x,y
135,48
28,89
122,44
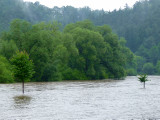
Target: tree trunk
x,y
144,84
23,86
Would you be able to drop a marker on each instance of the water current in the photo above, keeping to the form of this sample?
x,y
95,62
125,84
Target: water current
x,y
82,100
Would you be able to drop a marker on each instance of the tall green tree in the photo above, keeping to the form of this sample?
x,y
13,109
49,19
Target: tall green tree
x,y
22,67
99,50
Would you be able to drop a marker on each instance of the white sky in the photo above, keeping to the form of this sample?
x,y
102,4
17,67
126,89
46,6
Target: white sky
x,y
93,4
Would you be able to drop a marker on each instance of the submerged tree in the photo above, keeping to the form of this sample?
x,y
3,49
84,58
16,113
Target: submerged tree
x,y
22,67
82,51
143,79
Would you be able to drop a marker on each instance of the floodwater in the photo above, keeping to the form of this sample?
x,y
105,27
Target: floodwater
x,y
82,100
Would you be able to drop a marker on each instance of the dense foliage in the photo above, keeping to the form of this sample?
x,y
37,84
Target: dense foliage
x,y
81,51
6,74
22,67
138,25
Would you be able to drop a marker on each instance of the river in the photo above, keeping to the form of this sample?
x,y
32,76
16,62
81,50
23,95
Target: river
x,y
82,100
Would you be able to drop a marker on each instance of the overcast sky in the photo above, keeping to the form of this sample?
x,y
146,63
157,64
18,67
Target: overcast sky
x,y
93,4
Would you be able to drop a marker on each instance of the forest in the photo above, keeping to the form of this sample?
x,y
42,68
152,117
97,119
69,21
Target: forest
x,y
70,43
81,51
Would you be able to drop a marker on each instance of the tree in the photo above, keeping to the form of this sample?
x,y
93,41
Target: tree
x,y
100,54
22,67
44,47
143,79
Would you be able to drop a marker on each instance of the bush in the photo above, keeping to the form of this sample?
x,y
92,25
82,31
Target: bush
x,y
131,72
74,74
6,75
148,68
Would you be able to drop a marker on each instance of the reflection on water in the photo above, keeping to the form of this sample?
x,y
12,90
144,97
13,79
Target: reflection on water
x,y
82,100
21,101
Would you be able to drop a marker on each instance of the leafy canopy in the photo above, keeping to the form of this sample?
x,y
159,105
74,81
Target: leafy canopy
x,y
143,78
22,66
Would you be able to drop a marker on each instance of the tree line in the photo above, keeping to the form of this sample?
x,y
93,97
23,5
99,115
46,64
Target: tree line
x,y
138,25
82,51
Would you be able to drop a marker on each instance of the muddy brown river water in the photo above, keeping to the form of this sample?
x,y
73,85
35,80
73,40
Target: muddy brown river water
x,y
82,100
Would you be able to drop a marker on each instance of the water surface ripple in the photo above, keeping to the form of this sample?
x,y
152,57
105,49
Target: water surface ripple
x,y
82,100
